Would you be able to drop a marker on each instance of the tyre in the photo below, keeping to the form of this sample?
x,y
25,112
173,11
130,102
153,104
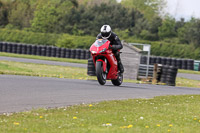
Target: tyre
x,y
9,47
48,52
143,60
78,53
158,60
118,81
1,46
73,54
4,47
163,61
173,62
28,50
91,68
184,64
91,73
68,53
179,63
58,52
38,50
19,48
101,76
168,61
88,54
43,50
190,64
24,47
14,49
34,49
82,54
63,53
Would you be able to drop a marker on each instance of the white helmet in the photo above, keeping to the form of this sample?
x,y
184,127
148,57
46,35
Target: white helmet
x,y
105,31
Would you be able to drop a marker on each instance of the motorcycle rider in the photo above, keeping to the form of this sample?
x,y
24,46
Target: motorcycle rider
x,y
116,45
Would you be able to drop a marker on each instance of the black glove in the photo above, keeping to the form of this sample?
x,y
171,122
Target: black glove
x,y
111,47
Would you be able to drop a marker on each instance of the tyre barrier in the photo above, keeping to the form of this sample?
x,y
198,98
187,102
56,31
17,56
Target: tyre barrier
x,y
168,75
58,52
9,47
53,52
28,50
63,53
19,49
190,64
187,64
4,47
78,54
68,53
33,49
48,51
73,53
91,68
42,50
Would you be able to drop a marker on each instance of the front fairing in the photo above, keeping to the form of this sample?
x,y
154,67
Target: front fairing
x,y
99,46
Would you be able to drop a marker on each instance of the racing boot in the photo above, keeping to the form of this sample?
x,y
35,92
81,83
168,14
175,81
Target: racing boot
x,y
120,67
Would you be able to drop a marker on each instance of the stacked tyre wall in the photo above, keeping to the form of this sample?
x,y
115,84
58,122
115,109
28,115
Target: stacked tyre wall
x,y
41,50
168,75
187,64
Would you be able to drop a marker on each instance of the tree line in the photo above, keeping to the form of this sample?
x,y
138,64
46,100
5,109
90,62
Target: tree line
x,y
130,19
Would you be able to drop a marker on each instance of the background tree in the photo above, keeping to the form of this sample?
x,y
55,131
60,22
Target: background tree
x,y
89,3
149,8
48,14
167,30
4,9
21,14
190,32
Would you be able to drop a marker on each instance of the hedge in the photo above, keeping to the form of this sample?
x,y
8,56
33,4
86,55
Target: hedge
x,y
170,49
60,40
84,42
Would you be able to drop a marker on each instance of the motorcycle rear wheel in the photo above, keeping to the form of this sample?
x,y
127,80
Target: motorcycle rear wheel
x,y
101,75
118,81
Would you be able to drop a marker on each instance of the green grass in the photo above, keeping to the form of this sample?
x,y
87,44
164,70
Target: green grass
x,y
187,82
176,114
43,58
41,70
188,71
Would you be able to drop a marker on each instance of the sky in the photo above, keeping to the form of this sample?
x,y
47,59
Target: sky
x,y
183,8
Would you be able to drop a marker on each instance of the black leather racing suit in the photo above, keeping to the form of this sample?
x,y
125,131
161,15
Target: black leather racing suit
x,y
116,45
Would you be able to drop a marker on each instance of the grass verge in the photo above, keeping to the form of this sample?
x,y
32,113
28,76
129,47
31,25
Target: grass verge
x,y
41,70
43,58
188,71
187,82
177,114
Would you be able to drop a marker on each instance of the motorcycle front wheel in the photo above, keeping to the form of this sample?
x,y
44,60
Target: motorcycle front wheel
x,y
101,75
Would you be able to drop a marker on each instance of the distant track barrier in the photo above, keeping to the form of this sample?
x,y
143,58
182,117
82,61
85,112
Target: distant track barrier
x,y
186,64
42,50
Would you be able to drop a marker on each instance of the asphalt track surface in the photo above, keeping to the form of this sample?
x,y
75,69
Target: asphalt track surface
x,y
21,93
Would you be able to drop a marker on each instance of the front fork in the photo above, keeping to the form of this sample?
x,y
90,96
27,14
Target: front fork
x,y
105,69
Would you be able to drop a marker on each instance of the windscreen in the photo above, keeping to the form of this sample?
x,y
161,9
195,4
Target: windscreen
x,y
100,42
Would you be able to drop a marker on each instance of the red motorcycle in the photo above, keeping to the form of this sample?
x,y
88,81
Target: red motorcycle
x,y
105,63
